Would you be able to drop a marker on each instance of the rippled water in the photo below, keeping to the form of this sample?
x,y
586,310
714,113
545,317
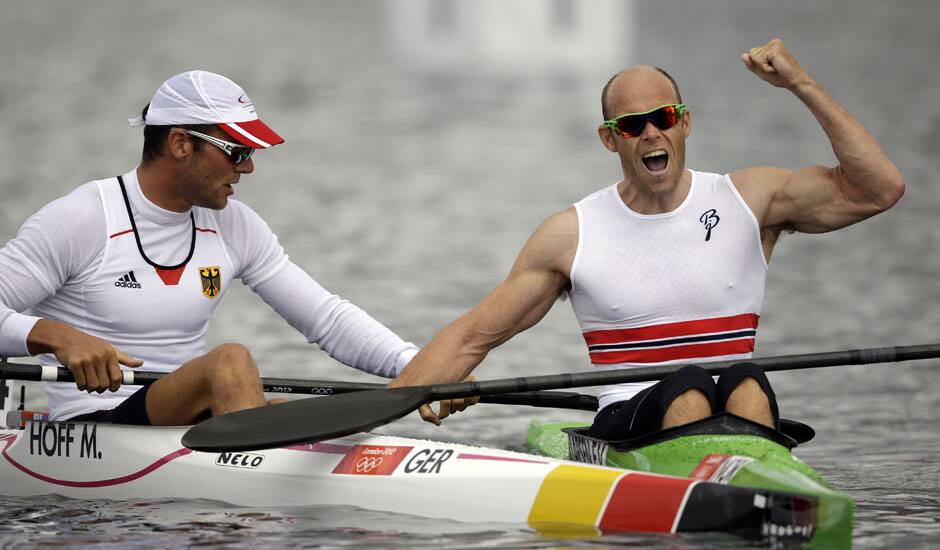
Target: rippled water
x,y
419,158
161,524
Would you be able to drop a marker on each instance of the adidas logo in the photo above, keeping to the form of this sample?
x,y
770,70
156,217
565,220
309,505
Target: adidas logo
x,y
127,281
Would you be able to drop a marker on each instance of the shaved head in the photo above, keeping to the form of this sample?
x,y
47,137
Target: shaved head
x,y
627,73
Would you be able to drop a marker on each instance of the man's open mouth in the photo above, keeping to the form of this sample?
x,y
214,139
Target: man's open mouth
x,y
656,161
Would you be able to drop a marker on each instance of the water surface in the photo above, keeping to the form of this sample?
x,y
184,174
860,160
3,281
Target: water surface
x,y
424,144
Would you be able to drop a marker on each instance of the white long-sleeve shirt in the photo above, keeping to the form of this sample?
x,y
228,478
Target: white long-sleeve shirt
x,y
59,254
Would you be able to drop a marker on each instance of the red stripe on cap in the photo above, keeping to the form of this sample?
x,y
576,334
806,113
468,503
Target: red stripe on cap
x,y
670,330
658,355
253,134
642,502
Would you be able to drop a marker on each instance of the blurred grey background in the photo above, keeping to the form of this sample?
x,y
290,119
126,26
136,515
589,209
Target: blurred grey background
x,y
426,139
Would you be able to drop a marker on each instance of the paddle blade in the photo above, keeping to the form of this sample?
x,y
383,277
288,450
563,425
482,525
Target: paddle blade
x,y
304,420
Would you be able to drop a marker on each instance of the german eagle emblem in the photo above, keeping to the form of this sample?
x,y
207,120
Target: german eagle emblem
x,y
211,281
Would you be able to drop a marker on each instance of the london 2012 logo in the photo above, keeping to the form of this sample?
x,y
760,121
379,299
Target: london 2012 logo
x,y
368,463
710,219
372,460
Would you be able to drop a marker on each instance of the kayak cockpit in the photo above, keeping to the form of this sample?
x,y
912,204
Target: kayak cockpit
x,y
791,434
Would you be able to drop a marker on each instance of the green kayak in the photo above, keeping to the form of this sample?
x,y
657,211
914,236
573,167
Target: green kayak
x,y
728,450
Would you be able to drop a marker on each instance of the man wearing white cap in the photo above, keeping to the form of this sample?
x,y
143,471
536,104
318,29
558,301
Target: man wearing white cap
x,y
127,271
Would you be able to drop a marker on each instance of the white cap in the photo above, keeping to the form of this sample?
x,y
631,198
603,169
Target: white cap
x,y
201,97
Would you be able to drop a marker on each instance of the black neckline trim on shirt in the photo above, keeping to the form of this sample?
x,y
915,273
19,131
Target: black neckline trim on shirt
x,y
140,247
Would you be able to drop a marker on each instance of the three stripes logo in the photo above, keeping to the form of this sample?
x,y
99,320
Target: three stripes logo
x,y
127,281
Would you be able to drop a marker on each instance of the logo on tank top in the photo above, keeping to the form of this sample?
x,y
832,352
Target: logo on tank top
x,y
211,281
127,281
710,219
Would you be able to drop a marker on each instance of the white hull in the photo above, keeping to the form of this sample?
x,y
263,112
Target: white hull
x,y
407,476
378,472
373,472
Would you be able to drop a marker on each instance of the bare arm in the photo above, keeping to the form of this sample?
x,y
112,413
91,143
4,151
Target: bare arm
x,y
538,276
818,199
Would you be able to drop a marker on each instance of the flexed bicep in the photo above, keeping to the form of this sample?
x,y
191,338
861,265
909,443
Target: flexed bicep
x,y
815,199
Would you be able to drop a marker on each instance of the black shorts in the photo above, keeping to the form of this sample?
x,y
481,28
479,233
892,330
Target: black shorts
x,y
643,413
132,410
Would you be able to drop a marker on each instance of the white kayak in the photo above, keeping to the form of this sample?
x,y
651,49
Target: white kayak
x,y
375,472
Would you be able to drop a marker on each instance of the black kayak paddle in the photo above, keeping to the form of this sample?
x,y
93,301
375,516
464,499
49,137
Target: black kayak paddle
x,y
311,420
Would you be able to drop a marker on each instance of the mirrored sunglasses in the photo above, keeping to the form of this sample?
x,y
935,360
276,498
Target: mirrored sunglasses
x,y
632,124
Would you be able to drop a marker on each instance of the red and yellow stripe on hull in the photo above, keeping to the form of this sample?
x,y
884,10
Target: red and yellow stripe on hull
x,y
584,500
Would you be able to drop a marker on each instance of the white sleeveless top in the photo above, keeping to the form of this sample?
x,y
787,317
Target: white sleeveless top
x,y
158,312
681,287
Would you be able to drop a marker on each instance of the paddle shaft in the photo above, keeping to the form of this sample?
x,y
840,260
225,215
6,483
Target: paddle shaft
x,y
311,420
864,356
559,400
527,390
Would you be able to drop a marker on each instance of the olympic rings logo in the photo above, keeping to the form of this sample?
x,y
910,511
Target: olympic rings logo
x,y
368,463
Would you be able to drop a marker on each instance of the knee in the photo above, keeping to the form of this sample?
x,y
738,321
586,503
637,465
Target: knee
x,y
693,398
691,405
688,395
744,387
747,387
232,360
748,377
693,380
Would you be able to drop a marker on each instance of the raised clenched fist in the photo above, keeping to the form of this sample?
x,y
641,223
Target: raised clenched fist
x,y
774,63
